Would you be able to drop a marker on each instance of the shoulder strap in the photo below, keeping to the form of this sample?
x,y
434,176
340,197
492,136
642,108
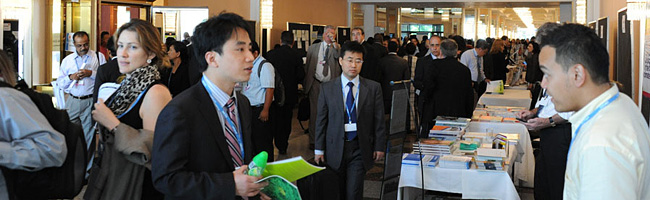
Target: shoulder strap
x,y
259,69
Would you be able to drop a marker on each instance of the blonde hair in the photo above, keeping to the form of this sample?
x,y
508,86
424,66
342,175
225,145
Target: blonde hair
x,y
497,46
7,71
149,38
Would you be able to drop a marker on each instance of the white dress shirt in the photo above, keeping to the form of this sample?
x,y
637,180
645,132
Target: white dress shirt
x,y
471,59
72,64
322,57
610,157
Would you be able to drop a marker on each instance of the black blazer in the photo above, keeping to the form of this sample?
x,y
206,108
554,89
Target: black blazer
x,y
288,63
448,90
499,66
108,72
420,65
533,72
393,68
179,81
330,130
190,155
370,67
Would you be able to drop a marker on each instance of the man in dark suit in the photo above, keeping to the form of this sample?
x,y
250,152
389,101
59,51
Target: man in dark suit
x,y
420,66
447,88
379,45
370,58
204,133
288,64
350,133
393,68
321,66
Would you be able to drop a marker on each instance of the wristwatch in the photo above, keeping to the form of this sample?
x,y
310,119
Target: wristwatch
x,y
550,120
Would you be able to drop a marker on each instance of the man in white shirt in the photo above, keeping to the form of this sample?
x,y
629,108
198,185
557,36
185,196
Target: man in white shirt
x,y
259,90
77,78
555,136
609,155
473,59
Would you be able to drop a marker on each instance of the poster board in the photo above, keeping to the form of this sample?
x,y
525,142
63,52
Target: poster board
x,y
343,34
623,66
317,32
592,25
645,68
301,35
602,31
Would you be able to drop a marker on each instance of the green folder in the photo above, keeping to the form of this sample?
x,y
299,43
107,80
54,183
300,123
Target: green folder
x,y
291,169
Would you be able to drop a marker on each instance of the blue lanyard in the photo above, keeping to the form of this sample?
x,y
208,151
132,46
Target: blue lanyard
x,y
225,114
132,104
356,98
591,115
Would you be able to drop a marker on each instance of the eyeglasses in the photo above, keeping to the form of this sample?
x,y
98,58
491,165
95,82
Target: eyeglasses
x,y
351,60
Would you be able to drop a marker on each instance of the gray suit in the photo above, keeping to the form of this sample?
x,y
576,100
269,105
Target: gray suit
x,y
351,159
312,86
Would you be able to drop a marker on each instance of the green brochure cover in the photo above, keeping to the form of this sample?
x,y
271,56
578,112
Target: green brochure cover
x,y
291,169
280,188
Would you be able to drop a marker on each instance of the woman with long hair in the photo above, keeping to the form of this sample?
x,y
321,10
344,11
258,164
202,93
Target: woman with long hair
x,y
128,117
499,61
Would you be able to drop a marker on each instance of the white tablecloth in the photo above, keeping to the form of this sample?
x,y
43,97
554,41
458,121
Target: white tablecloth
x,y
510,97
477,184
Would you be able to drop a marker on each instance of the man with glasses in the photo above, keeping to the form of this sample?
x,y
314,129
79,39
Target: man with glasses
x,y
77,78
348,146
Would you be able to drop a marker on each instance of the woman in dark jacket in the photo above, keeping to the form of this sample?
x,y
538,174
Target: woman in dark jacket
x,y
499,62
534,74
176,78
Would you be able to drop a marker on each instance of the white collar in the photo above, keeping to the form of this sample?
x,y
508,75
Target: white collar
x,y
344,80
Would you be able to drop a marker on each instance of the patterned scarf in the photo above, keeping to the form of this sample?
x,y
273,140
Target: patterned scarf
x,y
131,87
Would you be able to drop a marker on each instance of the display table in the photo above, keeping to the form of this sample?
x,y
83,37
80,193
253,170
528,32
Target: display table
x,y
472,183
510,97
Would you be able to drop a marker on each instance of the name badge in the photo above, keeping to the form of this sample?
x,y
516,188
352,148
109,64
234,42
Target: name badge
x,y
322,62
80,82
350,127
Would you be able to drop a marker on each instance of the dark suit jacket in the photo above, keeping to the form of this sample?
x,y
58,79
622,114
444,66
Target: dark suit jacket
x,y
370,68
448,90
190,155
330,130
179,81
288,63
533,72
108,72
420,65
312,60
499,67
393,69
381,49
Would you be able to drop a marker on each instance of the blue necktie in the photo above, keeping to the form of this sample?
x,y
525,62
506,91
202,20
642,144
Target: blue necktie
x,y
351,109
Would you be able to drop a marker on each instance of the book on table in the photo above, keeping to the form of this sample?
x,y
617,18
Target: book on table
x,y
281,174
414,159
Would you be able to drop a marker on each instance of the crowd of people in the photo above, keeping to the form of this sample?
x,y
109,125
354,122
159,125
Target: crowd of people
x,y
181,120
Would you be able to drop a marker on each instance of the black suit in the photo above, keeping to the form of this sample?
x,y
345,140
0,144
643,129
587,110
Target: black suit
x,y
381,49
418,79
108,72
351,159
190,155
393,68
447,92
288,63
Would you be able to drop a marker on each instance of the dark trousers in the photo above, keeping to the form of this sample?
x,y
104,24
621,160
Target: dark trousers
x,y
281,121
551,162
262,136
351,172
535,92
480,87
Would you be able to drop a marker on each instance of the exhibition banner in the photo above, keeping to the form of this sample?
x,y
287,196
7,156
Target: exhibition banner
x,y
623,67
645,100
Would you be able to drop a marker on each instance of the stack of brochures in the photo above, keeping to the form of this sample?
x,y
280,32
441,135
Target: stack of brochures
x,y
433,147
448,128
489,165
281,173
427,160
455,162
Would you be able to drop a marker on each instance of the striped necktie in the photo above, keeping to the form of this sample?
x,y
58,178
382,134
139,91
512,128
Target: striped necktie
x,y
231,138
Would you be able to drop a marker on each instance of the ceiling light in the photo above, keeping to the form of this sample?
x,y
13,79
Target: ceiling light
x,y
525,16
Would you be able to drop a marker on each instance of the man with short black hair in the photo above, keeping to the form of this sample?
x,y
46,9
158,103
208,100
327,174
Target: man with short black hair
x,y
348,146
609,153
77,78
203,136
288,63
473,59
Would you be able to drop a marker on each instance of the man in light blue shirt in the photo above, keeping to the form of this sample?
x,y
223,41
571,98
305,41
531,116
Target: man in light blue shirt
x,y
473,59
77,78
259,90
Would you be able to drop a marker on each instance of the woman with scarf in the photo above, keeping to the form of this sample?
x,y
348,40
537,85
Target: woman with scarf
x,y
128,118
